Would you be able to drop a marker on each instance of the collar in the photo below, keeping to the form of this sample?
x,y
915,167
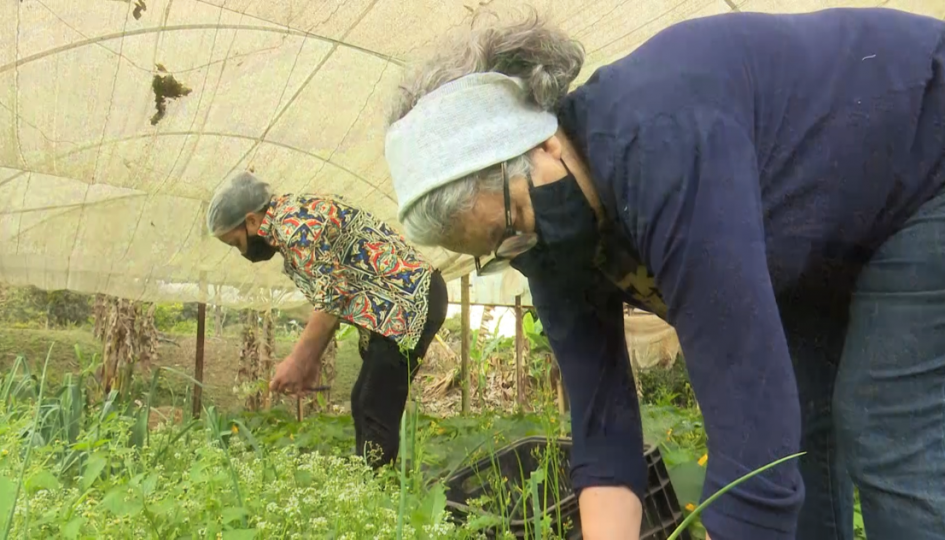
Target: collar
x,y
584,182
266,227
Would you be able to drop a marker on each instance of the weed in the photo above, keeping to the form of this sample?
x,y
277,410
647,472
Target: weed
x,y
73,469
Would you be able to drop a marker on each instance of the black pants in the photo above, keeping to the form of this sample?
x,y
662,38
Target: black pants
x,y
380,393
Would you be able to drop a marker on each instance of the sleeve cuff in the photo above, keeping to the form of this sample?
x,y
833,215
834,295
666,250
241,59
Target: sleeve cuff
x,y
596,465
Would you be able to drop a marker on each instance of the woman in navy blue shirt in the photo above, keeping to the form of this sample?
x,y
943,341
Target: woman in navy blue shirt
x,y
772,186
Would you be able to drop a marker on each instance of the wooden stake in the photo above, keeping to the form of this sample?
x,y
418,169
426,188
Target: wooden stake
x,y
267,354
201,332
198,364
562,398
519,346
464,349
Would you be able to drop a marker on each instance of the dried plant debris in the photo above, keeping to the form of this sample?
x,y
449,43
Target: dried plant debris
x,y
139,7
130,340
165,87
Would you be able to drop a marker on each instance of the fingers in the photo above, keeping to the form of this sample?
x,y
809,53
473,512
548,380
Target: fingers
x,y
283,385
280,379
277,384
289,378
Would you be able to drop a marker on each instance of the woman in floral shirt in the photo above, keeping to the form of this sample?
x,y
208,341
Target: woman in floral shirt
x,y
354,269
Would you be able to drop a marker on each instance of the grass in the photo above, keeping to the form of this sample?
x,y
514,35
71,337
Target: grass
x,y
221,360
93,471
254,475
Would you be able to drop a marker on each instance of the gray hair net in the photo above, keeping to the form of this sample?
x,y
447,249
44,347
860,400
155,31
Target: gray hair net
x,y
240,195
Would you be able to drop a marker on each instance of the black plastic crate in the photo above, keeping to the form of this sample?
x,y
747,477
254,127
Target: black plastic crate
x,y
515,463
661,512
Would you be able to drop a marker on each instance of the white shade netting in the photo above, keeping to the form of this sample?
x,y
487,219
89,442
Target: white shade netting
x,y
99,192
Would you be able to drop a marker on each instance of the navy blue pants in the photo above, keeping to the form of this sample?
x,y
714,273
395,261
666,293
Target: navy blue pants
x,y
872,388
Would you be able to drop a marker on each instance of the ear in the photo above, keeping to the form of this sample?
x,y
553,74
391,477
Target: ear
x,y
253,221
552,146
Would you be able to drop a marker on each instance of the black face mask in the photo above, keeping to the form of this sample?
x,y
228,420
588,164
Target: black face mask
x,y
567,230
257,249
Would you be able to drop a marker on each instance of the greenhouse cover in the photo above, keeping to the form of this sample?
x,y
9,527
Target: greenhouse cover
x,y
119,118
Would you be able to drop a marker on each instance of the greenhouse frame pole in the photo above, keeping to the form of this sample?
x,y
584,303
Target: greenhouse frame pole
x,y
198,362
464,342
201,332
519,347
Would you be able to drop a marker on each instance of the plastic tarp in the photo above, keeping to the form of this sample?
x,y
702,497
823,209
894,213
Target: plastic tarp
x,y
650,340
119,118
493,290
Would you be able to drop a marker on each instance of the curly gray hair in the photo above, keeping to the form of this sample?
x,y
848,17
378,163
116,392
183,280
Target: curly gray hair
x,y
542,56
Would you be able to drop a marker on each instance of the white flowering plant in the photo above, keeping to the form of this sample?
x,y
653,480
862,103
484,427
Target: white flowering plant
x,y
72,470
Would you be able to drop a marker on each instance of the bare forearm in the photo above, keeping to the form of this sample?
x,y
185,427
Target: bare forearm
x,y
610,513
315,337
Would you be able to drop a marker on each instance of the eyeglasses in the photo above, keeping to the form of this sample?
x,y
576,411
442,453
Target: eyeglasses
x,y
513,243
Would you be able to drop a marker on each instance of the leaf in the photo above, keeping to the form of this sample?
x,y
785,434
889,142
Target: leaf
x,y
149,484
233,513
687,480
537,477
431,507
247,435
483,521
93,468
198,471
73,528
164,507
42,480
7,489
213,529
118,502
139,431
239,534
675,456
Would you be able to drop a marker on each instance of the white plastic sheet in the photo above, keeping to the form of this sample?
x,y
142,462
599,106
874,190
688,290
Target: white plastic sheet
x,y
100,194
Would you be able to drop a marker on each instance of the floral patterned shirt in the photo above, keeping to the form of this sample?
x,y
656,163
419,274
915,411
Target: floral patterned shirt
x,y
352,265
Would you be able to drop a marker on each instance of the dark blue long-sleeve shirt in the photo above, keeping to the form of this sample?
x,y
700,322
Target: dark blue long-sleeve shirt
x,y
743,156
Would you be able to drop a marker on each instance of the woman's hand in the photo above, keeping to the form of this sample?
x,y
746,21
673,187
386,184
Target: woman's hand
x,y
295,374
300,370
610,513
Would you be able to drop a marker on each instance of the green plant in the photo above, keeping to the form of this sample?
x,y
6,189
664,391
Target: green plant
x,y
96,468
534,332
36,308
29,450
668,386
695,513
166,316
481,356
189,480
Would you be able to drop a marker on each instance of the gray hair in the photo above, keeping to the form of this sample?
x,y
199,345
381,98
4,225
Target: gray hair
x,y
542,56
240,195
430,219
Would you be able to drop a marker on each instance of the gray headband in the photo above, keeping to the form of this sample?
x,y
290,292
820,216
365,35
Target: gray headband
x,y
461,128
